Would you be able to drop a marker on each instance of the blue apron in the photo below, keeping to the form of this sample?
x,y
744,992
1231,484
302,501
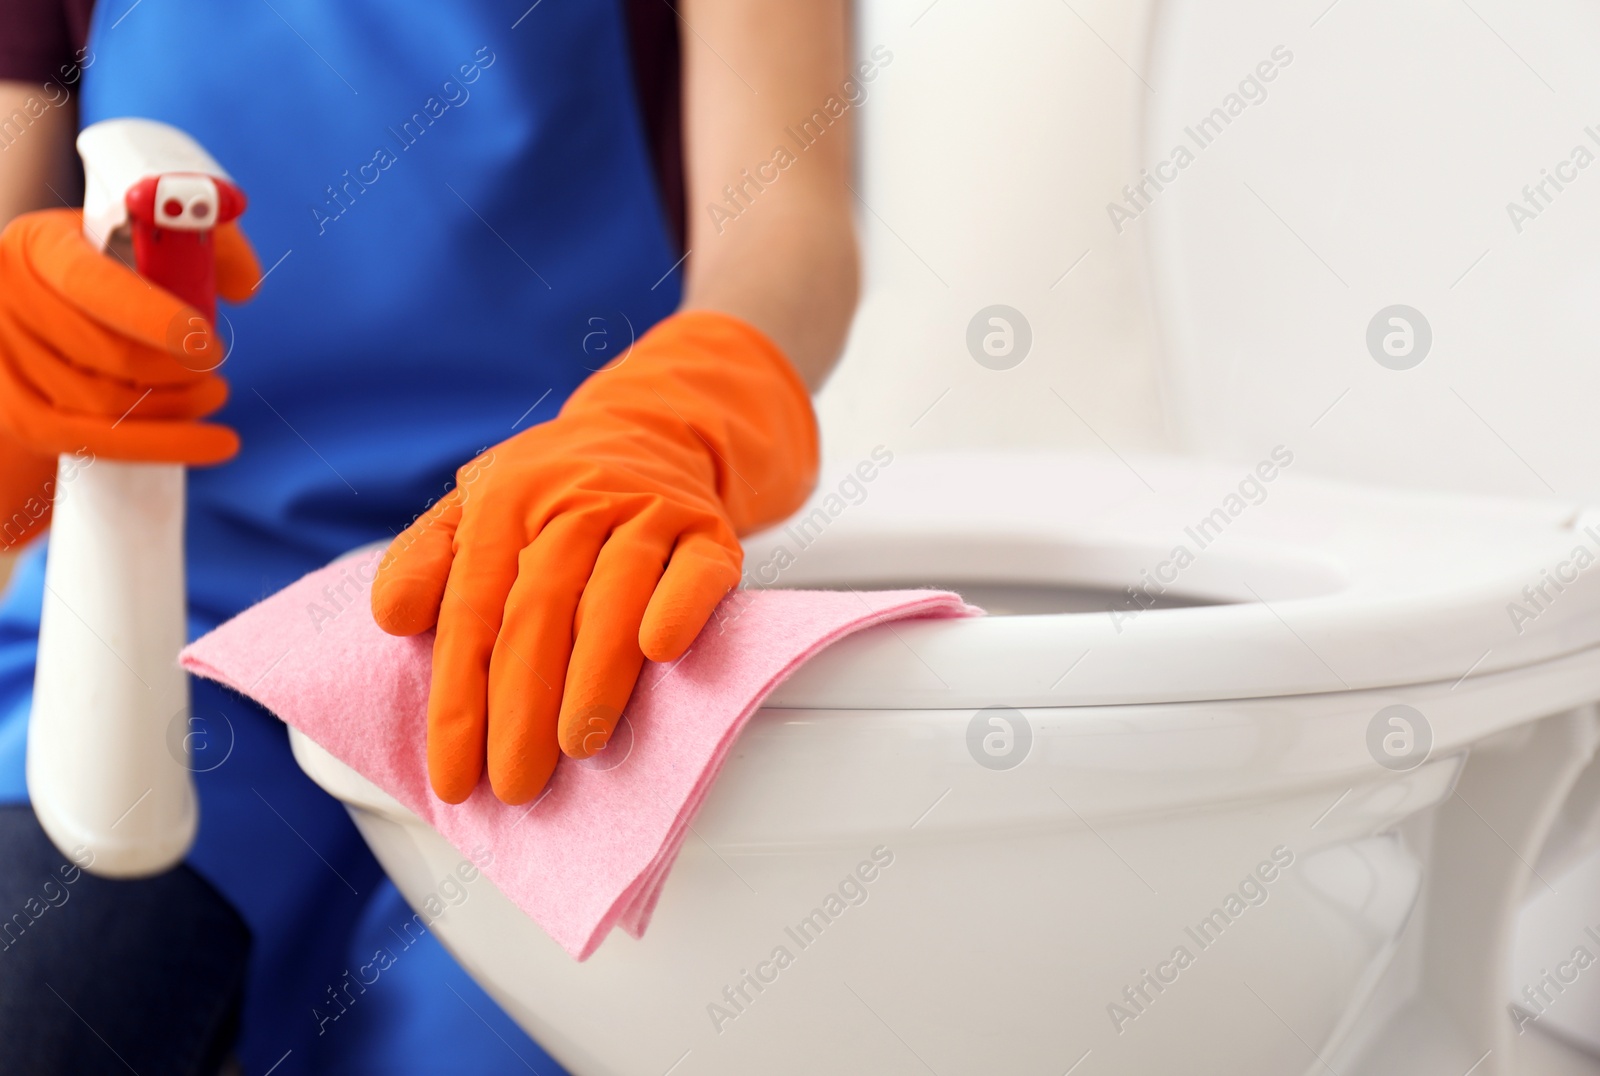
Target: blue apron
x,y
459,219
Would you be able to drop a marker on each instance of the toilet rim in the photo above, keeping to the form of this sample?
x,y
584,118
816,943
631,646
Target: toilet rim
x,y
1326,586
1330,744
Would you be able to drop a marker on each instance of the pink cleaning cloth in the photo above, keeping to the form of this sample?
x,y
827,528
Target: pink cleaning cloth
x,y
594,850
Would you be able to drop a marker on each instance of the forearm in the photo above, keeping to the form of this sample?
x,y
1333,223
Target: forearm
x,y
780,251
792,273
36,155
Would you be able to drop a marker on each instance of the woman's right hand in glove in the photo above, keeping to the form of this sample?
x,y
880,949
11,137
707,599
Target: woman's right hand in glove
x,y
93,357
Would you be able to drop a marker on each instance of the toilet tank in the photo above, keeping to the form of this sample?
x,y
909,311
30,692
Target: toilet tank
x,y
1333,263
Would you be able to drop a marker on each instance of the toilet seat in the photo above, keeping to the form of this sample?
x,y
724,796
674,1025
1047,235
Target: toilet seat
x,y
1320,586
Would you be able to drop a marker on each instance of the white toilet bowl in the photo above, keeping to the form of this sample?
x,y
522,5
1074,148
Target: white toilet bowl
x,y
1281,820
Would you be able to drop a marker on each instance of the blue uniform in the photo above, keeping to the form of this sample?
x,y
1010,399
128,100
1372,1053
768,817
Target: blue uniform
x,y
460,220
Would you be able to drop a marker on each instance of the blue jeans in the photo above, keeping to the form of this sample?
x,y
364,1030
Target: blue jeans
x,y
103,976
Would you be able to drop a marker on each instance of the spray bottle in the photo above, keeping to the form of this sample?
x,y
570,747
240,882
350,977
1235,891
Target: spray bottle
x,y
107,768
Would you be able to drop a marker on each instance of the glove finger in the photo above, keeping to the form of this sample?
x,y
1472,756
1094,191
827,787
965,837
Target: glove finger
x,y
192,444
605,652
481,576
701,573
73,388
58,332
40,329
409,586
45,429
194,401
238,271
528,670
193,342
48,247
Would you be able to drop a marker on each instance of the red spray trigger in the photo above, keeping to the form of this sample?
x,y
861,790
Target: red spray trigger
x,y
172,218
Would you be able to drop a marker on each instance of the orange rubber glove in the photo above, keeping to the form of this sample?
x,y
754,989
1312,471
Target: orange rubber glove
x,y
94,357
568,554
27,489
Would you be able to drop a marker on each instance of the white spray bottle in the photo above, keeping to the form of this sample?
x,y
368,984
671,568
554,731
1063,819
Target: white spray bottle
x,y
108,769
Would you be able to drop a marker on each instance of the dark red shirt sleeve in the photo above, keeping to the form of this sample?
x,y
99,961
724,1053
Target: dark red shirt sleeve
x,y
653,27
40,37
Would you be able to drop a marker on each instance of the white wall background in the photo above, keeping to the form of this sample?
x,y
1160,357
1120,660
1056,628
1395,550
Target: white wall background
x,y
1375,173
986,147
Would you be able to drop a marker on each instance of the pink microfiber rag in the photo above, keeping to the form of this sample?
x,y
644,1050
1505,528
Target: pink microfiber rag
x,y
595,849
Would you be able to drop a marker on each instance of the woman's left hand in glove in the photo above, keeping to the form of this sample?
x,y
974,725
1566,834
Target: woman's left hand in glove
x,y
567,555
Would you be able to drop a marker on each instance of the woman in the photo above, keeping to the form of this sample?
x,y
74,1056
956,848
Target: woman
x,y
477,337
